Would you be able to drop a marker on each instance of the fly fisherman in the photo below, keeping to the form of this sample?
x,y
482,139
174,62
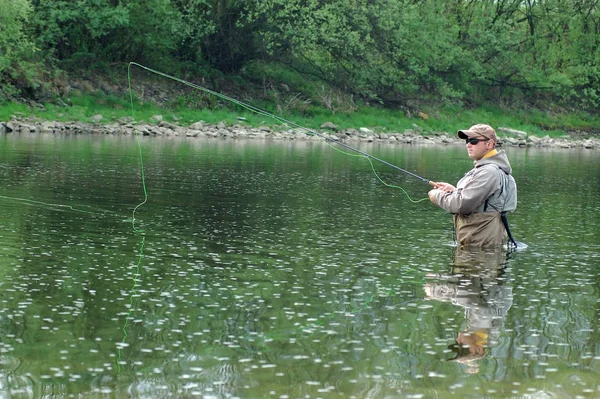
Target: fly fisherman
x,y
482,197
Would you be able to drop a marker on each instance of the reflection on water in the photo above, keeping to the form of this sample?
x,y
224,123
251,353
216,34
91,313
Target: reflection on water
x,y
475,284
286,270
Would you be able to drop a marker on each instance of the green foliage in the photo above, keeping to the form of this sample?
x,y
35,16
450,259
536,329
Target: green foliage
x,y
12,108
16,49
328,53
88,31
194,100
382,50
405,51
194,107
13,13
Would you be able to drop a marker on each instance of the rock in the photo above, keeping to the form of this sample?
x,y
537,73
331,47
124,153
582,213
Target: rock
x,y
330,126
47,127
142,129
156,118
197,126
26,128
520,134
167,125
445,139
368,138
96,118
417,128
588,144
126,119
201,129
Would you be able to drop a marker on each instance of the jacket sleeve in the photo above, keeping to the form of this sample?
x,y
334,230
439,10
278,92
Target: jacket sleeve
x,y
471,192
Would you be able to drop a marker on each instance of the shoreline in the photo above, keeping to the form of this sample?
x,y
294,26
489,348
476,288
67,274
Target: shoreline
x,y
506,136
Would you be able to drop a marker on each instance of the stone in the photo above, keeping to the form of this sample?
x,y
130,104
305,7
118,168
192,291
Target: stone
x,y
197,125
329,126
514,132
96,118
126,119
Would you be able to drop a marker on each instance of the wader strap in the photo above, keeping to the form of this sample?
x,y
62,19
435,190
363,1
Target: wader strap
x,y
505,223
487,200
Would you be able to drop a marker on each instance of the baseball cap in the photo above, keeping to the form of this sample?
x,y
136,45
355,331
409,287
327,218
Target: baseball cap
x,y
479,130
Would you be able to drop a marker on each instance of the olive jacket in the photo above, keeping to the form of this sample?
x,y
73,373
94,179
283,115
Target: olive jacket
x,y
480,197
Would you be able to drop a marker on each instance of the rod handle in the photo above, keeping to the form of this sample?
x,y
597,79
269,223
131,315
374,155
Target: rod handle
x,y
431,183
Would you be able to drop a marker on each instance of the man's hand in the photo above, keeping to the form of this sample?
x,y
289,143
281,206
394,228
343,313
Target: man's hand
x,y
440,186
447,187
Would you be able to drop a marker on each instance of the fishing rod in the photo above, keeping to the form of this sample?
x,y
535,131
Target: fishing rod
x,y
275,117
341,143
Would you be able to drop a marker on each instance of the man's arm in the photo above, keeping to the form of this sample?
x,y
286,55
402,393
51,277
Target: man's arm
x,y
470,195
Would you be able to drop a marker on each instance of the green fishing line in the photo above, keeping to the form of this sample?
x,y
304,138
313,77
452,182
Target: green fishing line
x,y
68,207
141,232
136,230
377,175
279,119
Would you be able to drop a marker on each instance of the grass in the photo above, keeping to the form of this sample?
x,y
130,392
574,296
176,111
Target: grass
x,y
290,95
188,109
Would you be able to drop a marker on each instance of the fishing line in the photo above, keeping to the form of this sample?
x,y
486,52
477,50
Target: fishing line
x,y
137,231
68,207
329,140
135,283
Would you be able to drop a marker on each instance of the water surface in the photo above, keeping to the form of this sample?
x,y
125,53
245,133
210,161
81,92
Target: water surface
x,y
288,270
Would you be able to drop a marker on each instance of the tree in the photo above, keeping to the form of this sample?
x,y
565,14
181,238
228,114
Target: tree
x,y
15,46
84,32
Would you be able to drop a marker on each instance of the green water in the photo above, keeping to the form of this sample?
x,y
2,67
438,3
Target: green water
x,y
286,270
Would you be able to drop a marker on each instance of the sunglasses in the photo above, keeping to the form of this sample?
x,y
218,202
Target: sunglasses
x,y
475,141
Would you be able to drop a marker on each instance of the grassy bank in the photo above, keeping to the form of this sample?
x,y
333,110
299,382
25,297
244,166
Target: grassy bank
x,y
186,110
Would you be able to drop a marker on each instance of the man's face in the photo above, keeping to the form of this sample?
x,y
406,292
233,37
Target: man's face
x,y
477,151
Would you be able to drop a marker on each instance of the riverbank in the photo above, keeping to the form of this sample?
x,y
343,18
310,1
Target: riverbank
x,y
126,126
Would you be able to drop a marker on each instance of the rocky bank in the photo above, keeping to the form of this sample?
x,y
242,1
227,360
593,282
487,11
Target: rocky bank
x,y
126,126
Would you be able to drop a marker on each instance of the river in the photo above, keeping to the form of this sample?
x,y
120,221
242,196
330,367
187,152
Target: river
x,y
214,268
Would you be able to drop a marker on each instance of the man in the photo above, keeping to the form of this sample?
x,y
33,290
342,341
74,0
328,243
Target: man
x,y
483,196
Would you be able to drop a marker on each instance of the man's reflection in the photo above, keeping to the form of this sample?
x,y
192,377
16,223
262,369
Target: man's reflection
x,y
475,283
